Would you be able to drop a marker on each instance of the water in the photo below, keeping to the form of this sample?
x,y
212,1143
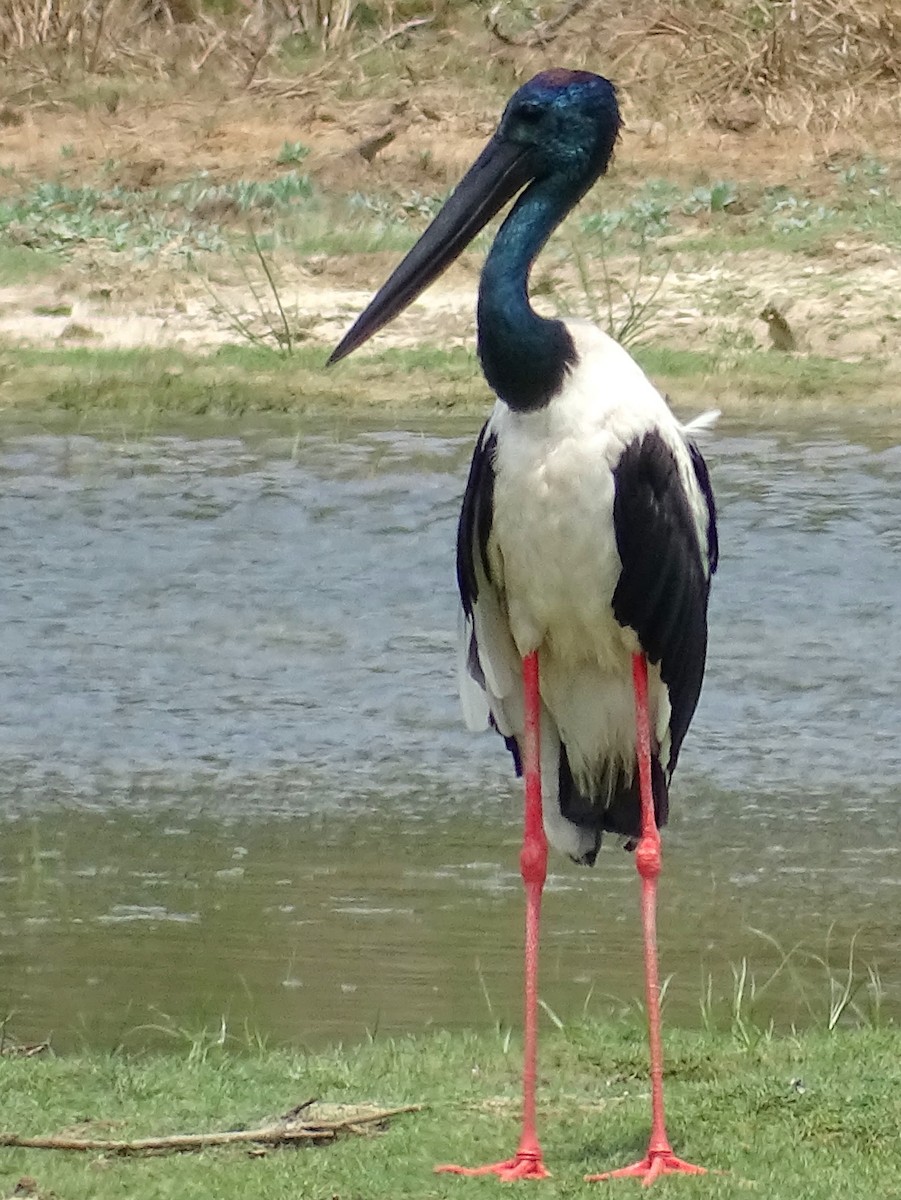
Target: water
x,y
235,784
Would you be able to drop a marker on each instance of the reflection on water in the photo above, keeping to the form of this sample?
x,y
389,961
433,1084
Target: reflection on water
x,y
234,780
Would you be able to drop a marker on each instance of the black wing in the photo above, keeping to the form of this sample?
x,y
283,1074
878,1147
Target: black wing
x,y
489,683
474,527
703,477
664,586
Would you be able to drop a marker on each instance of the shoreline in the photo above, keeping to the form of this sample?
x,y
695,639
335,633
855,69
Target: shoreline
x,y
77,384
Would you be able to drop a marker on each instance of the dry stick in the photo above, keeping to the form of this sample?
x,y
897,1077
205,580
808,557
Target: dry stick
x,y
546,28
95,49
16,1051
214,45
394,32
543,33
272,1135
257,56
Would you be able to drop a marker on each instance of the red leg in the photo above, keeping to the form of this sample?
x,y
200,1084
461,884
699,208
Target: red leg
x,y
527,1162
659,1159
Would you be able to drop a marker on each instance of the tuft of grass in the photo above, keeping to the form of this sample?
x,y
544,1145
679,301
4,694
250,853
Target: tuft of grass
x,y
199,216
848,993
55,217
812,1116
622,303
273,328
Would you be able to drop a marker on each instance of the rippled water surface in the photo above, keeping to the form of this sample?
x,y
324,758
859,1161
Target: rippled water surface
x,y
235,782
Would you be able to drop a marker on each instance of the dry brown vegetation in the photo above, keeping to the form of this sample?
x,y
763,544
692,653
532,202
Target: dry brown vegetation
x,y
54,38
744,60
741,88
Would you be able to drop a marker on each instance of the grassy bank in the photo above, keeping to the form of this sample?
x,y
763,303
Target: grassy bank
x,y
809,1117
99,390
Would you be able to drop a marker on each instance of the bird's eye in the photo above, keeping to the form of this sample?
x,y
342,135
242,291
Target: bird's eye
x,y
530,111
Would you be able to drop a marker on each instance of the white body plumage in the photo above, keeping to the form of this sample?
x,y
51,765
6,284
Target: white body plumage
x,y
554,566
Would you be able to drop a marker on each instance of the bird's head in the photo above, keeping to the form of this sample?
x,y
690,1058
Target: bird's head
x,y
561,126
563,123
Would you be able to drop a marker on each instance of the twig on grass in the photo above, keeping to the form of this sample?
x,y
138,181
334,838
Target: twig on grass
x,y
390,34
268,1135
28,1051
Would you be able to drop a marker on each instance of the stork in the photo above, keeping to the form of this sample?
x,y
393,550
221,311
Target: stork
x,y
585,546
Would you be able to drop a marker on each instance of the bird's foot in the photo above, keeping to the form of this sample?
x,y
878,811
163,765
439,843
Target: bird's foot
x,y
523,1165
654,1164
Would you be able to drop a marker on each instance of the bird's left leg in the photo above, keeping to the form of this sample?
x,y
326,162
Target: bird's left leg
x,y
527,1163
659,1159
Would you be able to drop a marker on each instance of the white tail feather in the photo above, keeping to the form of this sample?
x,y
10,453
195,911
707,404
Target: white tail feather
x,y
703,422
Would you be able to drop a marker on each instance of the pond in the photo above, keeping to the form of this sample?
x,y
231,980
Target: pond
x,y
236,786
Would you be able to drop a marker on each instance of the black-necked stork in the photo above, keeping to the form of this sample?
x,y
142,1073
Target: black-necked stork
x,y
585,547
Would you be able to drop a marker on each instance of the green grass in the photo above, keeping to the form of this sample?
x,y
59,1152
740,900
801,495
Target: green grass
x,y
810,1117
151,386
748,379
21,263
324,227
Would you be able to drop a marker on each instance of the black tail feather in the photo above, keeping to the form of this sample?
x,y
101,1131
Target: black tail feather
x,y
621,813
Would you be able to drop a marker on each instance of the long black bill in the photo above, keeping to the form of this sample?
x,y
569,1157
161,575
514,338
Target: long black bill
x,y
495,177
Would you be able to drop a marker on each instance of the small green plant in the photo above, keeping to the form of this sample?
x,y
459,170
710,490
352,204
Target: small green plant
x,y
713,199
418,204
868,172
389,211
53,216
292,152
851,994
242,195
785,212
649,213
179,220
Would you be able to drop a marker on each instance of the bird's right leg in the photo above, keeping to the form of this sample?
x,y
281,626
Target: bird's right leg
x,y
527,1163
659,1159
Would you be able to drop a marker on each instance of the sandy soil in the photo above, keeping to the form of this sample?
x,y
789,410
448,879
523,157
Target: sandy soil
x,y
843,305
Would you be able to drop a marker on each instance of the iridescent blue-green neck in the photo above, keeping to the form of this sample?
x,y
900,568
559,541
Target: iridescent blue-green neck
x,y
524,356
